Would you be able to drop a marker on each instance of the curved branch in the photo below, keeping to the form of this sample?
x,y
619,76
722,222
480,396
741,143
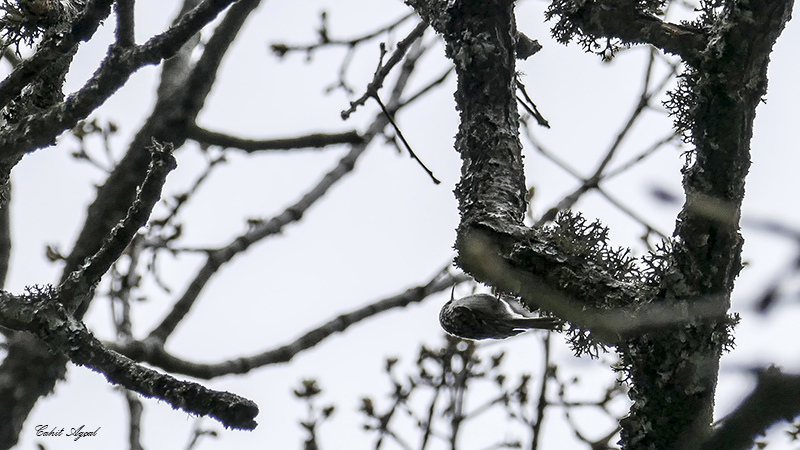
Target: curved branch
x,y
273,226
62,44
41,129
41,313
624,20
218,258
153,352
775,398
23,383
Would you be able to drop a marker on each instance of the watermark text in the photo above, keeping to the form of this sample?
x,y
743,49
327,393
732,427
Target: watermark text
x,y
55,431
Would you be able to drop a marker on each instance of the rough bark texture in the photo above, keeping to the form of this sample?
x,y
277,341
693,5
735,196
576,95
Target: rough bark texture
x,y
674,373
30,370
673,366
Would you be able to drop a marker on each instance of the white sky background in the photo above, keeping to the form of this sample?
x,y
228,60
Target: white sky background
x,y
382,229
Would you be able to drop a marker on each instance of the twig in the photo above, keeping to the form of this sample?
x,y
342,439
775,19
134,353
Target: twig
x,y
218,258
542,403
383,70
314,140
264,229
120,291
428,430
325,40
530,106
632,214
428,87
135,409
405,142
594,180
181,199
197,433
641,156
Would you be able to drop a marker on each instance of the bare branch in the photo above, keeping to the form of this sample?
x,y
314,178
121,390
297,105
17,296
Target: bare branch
x,y
427,88
81,282
40,312
530,106
314,140
125,23
41,129
135,409
325,40
775,398
542,402
632,214
593,182
383,69
204,72
404,141
217,258
568,201
153,352
28,70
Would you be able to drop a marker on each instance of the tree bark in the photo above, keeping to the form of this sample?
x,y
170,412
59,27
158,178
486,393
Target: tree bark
x,y
679,315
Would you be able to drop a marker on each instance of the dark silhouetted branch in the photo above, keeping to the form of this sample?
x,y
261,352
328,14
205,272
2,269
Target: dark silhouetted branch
x,y
263,229
125,22
154,353
315,140
383,69
40,312
28,70
775,398
81,282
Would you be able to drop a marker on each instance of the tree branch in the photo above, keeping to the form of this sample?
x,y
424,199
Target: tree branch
x,y
314,140
219,257
718,98
204,73
125,23
624,20
40,312
53,49
41,129
154,353
81,282
22,382
775,398
383,69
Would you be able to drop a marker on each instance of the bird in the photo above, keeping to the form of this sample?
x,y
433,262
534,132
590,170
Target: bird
x,y
483,316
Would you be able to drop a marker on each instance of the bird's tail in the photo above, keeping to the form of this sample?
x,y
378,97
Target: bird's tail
x,y
538,323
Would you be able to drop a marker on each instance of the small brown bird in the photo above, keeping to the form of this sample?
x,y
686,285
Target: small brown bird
x,y
482,316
